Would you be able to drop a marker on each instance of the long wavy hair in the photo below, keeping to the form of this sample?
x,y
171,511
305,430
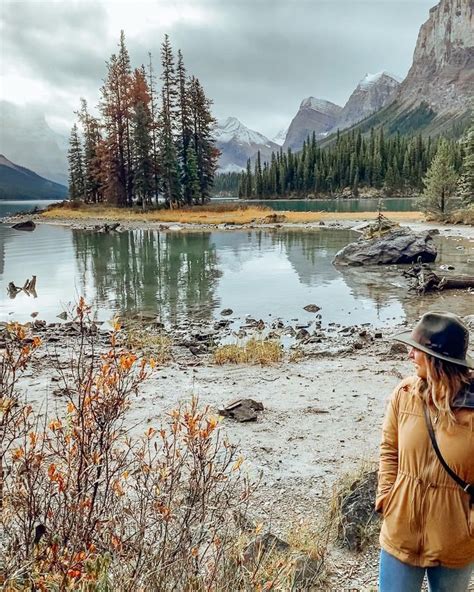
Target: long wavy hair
x,y
444,380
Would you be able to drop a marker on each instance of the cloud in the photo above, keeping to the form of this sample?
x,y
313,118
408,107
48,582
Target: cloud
x,y
257,59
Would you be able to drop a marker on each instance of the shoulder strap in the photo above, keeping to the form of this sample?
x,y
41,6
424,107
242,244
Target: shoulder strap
x,y
467,487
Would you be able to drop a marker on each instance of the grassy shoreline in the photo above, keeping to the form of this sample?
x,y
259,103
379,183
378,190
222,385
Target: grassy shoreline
x,y
212,215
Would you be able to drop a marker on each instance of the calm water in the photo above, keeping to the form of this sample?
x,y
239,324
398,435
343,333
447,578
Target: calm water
x,y
8,208
338,205
194,275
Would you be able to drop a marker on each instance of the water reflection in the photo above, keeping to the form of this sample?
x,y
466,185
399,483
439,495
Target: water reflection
x,y
170,275
175,276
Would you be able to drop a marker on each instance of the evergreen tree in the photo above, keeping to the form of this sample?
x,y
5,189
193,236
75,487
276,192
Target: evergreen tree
x,y
184,129
143,165
466,183
192,177
153,127
169,164
94,179
116,111
203,124
76,166
440,182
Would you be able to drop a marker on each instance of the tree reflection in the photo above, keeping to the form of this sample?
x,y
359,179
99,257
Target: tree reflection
x,y
170,275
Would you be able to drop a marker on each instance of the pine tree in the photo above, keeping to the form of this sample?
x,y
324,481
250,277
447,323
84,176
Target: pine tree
x,y
203,124
184,129
169,164
440,182
192,177
153,128
116,111
76,166
142,163
94,178
466,183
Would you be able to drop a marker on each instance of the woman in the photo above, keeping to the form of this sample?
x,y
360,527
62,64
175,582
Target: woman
x,y
428,520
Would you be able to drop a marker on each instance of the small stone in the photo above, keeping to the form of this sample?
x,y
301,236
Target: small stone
x,y
226,312
62,315
312,308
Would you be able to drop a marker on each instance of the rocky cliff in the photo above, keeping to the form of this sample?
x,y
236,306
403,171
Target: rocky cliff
x,y
442,73
314,115
373,92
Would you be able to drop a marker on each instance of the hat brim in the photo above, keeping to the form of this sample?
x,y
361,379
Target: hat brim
x,y
406,338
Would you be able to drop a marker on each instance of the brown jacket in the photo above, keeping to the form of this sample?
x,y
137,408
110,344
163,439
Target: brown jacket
x,y
427,517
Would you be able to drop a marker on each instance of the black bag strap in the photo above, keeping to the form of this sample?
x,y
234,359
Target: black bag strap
x,y
467,487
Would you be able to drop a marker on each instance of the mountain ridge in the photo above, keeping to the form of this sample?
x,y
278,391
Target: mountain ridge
x,y
18,182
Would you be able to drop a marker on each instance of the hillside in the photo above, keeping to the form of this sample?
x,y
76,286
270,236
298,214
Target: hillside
x,y
17,182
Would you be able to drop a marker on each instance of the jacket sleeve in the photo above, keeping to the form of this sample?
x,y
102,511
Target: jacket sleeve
x,y
388,464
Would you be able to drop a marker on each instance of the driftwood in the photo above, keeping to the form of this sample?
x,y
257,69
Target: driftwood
x,y
29,288
423,279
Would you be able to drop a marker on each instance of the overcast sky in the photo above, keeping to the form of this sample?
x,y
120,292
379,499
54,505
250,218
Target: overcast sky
x,y
257,59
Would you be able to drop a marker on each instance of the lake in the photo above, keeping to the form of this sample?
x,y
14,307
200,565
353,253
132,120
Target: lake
x,y
334,205
9,208
193,275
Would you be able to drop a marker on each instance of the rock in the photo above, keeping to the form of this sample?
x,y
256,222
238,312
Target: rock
x,y
226,312
401,245
302,334
242,410
263,544
398,349
469,321
62,315
28,225
34,315
357,511
307,572
312,308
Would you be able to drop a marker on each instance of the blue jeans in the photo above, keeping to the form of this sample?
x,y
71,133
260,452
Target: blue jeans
x,y
396,576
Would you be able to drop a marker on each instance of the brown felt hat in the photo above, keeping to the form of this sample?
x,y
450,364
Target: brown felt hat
x,y
442,335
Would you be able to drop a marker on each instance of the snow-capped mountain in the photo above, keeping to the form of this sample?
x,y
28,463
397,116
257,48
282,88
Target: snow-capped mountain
x,y
280,137
27,138
373,92
238,143
314,115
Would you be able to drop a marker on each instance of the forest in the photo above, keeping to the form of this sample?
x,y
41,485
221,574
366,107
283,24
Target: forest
x,y
146,147
396,164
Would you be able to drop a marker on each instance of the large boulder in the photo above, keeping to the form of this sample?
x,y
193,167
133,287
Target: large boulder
x,y
28,225
400,245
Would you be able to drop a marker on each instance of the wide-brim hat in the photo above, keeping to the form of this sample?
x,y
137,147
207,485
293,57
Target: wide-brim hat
x,y
442,335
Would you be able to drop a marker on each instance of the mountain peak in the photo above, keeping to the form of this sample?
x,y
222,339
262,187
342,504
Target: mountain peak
x,y
370,80
320,105
231,129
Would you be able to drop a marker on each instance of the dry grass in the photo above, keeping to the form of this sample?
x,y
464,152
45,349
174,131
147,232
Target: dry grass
x,y
153,344
254,351
210,214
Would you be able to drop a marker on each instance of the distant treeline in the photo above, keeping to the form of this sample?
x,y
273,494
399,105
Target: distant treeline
x,y
146,146
396,164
